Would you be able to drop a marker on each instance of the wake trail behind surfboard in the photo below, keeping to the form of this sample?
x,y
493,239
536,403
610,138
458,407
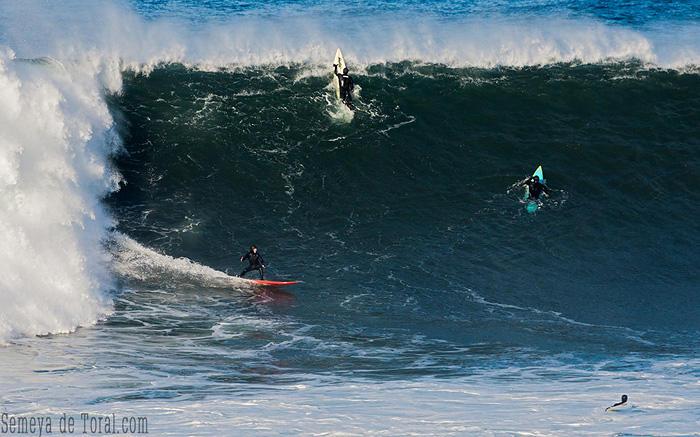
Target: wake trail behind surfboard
x,y
137,262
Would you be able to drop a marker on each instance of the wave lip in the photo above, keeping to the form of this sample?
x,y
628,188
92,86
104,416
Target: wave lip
x,y
54,144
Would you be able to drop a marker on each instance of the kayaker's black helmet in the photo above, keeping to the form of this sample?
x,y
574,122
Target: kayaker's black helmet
x,y
624,398
345,70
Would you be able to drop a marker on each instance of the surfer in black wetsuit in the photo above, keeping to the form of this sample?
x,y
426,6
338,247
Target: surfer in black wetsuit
x,y
623,401
535,188
255,262
346,85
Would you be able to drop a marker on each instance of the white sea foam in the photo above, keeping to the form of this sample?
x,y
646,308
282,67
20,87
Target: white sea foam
x,y
557,400
133,260
101,30
54,142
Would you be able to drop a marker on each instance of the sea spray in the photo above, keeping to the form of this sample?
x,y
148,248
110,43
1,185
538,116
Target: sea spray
x,y
139,263
54,144
114,31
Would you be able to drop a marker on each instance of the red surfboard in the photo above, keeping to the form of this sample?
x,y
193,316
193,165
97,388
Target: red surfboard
x,y
272,283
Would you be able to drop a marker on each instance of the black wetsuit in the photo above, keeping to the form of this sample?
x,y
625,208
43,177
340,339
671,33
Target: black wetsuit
x,y
535,189
256,262
346,87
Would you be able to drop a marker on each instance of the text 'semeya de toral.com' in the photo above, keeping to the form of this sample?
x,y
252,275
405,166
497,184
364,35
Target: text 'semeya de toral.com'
x,y
84,423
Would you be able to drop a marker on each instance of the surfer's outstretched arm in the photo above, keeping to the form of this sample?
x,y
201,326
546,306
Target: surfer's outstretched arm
x,y
623,401
245,257
617,404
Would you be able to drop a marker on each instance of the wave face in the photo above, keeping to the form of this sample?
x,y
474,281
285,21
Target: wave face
x,y
403,218
231,136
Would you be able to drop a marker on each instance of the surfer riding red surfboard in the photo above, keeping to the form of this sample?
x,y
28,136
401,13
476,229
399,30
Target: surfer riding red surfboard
x,y
256,262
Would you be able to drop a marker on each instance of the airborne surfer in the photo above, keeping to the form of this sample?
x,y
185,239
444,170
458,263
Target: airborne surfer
x,y
346,85
255,262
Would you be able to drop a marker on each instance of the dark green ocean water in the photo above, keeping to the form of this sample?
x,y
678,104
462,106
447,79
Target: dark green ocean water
x,y
401,221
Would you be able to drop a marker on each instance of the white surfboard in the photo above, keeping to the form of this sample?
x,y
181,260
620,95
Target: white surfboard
x,y
340,62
